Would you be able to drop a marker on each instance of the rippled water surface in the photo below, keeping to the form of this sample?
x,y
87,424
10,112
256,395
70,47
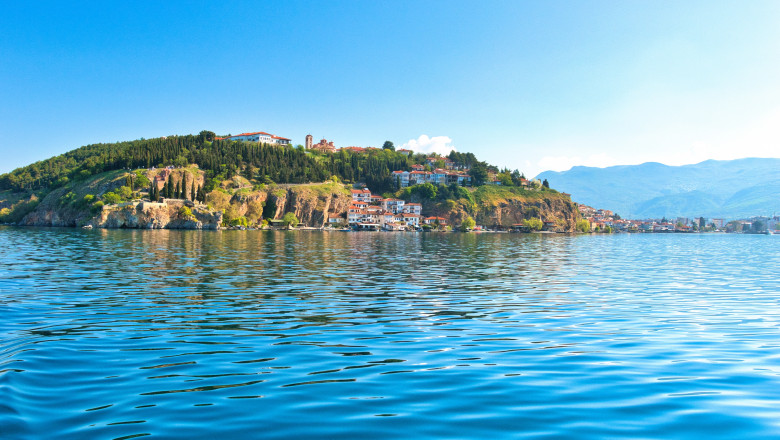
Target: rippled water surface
x,y
236,334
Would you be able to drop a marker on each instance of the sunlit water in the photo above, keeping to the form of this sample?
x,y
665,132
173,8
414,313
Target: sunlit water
x,y
250,334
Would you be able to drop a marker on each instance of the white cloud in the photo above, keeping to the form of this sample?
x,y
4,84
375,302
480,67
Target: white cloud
x,y
424,144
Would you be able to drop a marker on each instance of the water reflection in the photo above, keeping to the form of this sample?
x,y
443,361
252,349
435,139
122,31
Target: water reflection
x,y
128,333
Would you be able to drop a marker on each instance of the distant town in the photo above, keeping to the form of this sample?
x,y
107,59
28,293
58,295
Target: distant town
x,y
602,220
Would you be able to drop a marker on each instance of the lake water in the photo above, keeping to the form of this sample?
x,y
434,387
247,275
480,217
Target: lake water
x,y
252,334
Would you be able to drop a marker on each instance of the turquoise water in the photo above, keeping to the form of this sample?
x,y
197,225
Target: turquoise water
x,y
250,334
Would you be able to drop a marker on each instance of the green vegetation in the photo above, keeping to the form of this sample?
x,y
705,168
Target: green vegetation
x,y
186,213
583,225
290,220
230,176
18,209
219,159
533,224
468,224
238,221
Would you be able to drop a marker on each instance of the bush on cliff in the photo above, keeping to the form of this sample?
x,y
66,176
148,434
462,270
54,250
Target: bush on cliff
x,y
533,224
290,220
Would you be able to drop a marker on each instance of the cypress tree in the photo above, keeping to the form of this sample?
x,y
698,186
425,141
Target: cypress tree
x,y
194,194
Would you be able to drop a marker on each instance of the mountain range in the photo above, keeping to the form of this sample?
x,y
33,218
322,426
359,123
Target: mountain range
x,y
714,188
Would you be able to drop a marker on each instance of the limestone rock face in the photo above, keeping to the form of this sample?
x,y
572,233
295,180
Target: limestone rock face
x,y
152,215
564,213
510,210
311,203
312,208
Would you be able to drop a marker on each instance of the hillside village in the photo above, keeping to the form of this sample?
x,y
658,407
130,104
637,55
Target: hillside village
x,y
372,212
255,179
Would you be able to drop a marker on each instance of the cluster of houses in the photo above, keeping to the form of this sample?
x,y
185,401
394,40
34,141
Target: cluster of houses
x,y
601,219
438,176
373,212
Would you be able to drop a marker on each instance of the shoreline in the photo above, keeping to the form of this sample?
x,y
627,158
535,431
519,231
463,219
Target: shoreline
x,y
311,229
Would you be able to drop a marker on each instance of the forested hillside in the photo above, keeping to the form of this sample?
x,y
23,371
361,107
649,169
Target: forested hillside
x,y
216,157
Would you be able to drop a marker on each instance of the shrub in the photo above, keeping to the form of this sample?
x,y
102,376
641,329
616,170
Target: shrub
x,y
533,224
186,213
239,221
290,220
111,198
125,192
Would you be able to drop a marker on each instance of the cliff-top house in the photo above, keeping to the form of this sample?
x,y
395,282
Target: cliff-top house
x,y
258,136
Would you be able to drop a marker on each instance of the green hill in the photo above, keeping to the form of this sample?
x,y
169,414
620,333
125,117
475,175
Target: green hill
x,y
246,179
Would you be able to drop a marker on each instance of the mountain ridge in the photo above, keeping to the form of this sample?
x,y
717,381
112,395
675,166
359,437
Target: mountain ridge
x,y
711,188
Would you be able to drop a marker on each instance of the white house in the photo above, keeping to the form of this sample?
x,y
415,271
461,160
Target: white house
x,y
361,195
258,136
412,208
410,219
432,220
402,177
393,205
439,177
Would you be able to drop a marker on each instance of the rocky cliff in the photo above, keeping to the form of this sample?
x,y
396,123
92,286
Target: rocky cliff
x,y
499,207
311,203
152,215
238,202
66,206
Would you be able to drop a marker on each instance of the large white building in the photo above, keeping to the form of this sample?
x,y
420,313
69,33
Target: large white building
x,y
258,136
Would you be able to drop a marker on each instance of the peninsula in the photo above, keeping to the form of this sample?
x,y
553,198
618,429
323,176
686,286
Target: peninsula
x,y
257,179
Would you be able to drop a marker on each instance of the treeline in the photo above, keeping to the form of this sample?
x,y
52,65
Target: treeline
x,y
222,159
218,158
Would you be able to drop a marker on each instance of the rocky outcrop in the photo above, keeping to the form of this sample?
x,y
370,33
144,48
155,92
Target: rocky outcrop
x,y
152,215
563,213
313,207
311,203
238,202
505,209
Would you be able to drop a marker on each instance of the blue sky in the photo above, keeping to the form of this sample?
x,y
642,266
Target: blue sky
x,y
527,85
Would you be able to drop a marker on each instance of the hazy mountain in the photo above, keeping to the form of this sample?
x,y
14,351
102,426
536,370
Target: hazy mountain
x,y
713,188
